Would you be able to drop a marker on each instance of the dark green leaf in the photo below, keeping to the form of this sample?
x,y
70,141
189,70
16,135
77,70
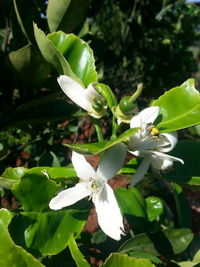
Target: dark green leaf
x,y
66,15
11,254
95,148
166,243
179,107
189,173
133,207
120,260
29,65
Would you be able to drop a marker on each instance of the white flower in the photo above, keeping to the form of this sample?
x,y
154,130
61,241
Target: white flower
x,y
94,184
85,98
150,144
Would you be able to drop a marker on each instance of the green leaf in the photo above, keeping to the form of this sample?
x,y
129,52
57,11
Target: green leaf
x,y
48,158
76,254
188,151
141,254
68,54
155,207
166,243
35,191
77,53
26,13
133,207
52,55
182,207
11,254
29,65
96,148
120,260
179,107
64,15
48,232
11,176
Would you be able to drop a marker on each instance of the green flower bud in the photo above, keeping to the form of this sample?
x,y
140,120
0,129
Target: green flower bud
x,y
98,105
126,106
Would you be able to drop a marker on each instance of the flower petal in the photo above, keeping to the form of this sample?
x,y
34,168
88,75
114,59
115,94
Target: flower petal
x,y
161,161
140,173
83,169
112,161
172,139
108,212
75,92
147,115
70,196
91,93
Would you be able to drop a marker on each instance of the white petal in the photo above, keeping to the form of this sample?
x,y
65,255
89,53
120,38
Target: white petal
x,y
108,212
112,161
172,139
140,173
70,196
147,115
91,93
161,161
83,169
75,92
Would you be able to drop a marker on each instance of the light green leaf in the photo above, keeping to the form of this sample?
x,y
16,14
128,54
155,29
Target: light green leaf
x,y
35,191
66,15
155,207
120,260
76,254
166,243
29,65
133,207
77,53
179,107
11,254
14,175
48,232
96,148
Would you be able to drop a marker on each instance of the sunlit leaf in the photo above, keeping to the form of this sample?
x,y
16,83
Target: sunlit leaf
x,y
77,53
120,260
95,148
167,243
66,15
10,253
179,107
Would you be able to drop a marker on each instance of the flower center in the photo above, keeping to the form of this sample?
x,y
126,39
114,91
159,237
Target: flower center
x,y
96,186
154,132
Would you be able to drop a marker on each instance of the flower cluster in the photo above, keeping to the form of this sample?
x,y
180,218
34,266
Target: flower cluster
x,y
147,143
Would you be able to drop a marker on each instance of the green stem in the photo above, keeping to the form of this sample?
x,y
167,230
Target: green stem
x,y
137,93
98,129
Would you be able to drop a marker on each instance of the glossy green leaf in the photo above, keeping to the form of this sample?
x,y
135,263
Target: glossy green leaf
x,y
96,148
155,207
166,243
189,173
76,254
133,207
35,191
11,176
120,260
77,53
29,65
48,232
52,55
10,253
179,107
144,255
66,15
182,207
